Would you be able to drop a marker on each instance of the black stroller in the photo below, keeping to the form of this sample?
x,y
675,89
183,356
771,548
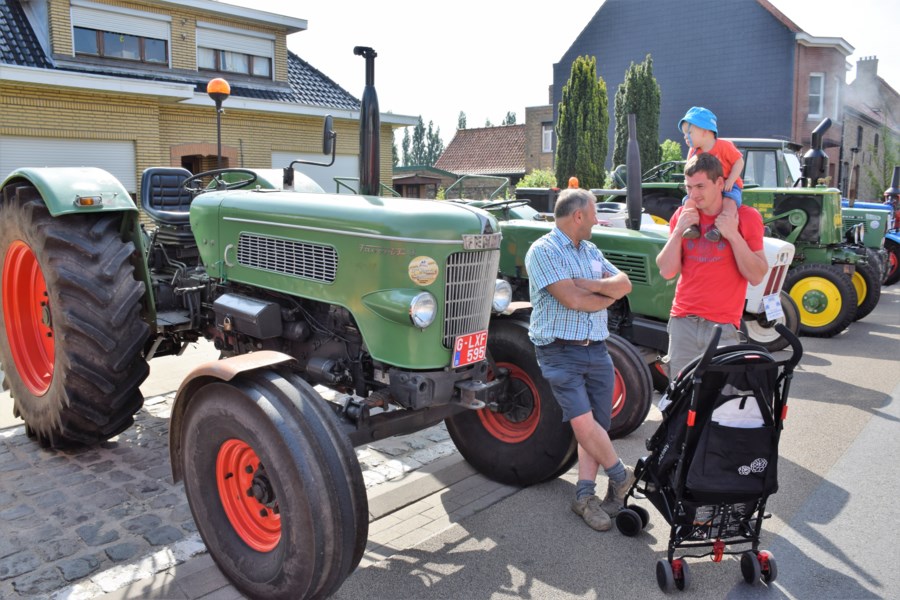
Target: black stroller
x,y
714,459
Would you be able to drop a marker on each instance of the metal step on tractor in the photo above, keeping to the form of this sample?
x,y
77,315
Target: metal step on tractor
x,y
836,273
393,303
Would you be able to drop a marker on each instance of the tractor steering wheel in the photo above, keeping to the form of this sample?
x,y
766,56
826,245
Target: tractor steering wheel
x,y
505,204
659,172
195,185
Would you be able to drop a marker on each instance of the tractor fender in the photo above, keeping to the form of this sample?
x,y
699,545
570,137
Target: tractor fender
x,y
216,370
68,190
894,236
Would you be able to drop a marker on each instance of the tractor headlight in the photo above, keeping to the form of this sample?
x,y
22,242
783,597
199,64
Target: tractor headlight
x,y
502,296
422,309
855,234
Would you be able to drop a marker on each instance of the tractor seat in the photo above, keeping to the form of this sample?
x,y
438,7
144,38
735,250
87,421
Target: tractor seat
x,y
162,196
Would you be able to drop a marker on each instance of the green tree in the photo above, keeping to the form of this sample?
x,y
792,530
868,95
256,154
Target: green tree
x,y
395,158
581,128
417,154
669,150
510,119
461,120
883,161
538,178
405,147
639,94
434,145
487,123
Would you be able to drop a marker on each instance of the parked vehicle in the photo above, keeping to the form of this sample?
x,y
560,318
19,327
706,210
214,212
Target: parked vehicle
x,y
827,270
387,301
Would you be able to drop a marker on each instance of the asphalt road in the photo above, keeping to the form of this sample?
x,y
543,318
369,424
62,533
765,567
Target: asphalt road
x,y
834,519
832,525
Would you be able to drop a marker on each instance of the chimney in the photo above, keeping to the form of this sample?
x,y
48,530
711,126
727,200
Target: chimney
x,y
867,68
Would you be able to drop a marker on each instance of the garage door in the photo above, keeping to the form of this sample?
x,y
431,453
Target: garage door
x,y
343,167
115,157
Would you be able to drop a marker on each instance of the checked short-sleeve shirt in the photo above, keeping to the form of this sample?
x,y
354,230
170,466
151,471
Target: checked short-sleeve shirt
x,y
553,257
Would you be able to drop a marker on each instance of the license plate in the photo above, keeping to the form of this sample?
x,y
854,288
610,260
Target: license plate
x,y
469,348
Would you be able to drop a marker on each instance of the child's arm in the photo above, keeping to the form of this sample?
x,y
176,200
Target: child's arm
x,y
736,170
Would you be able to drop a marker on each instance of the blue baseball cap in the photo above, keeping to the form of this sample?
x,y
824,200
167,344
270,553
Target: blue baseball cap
x,y
701,117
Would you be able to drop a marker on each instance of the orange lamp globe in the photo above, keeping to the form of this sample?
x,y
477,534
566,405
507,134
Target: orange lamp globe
x,y
573,182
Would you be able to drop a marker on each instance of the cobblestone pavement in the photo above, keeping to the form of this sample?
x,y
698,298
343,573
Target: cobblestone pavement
x,y
76,524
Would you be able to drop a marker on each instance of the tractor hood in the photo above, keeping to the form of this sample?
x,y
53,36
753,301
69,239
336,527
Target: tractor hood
x,y
364,218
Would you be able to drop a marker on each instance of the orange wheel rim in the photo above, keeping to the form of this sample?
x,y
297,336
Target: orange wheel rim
x,y
238,478
26,308
620,394
520,423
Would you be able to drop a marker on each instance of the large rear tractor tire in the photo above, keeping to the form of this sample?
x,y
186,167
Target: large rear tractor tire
x,y
867,282
761,331
633,390
71,334
825,297
893,275
274,486
527,443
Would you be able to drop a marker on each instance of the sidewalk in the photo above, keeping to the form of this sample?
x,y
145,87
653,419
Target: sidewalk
x,y
402,514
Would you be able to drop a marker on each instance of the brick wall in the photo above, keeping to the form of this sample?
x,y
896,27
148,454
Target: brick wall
x,y
831,64
535,157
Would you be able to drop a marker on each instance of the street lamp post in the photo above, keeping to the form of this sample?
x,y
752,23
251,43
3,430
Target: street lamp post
x,y
218,89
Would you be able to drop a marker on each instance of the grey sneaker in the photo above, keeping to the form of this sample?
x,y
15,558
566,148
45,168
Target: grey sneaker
x,y
589,509
691,233
615,494
713,235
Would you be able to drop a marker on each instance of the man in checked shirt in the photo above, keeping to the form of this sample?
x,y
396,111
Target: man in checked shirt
x,y
571,285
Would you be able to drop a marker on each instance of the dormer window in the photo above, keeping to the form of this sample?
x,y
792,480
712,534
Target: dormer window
x,y
107,31
231,50
109,44
226,61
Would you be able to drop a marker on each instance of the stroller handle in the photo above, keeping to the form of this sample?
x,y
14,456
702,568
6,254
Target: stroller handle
x,y
794,341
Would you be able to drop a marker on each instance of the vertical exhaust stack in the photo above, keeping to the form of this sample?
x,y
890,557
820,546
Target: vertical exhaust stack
x,y
369,129
633,198
815,161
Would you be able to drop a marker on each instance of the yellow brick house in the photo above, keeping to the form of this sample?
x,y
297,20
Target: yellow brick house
x,y
121,85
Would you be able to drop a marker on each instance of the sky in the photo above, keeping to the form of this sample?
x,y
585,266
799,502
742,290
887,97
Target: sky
x,y
489,57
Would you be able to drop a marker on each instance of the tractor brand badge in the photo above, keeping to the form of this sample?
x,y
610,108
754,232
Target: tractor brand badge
x,y
423,270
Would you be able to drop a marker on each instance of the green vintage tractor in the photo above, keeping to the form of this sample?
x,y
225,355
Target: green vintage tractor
x,y
386,301
832,275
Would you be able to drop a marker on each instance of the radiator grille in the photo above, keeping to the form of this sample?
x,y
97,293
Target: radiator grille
x,y
776,279
469,292
307,261
633,265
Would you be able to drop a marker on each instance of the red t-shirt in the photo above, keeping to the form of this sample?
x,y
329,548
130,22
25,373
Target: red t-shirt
x,y
727,153
711,285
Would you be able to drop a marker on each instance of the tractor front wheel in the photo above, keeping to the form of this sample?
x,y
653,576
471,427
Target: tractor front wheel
x,y
526,442
275,488
893,275
71,334
825,297
867,282
761,331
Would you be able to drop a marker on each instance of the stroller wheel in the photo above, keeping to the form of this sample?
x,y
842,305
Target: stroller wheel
x,y
750,567
681,573
629,522
643,513
768,566
664,576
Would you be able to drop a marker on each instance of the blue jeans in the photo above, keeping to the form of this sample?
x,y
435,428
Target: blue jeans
x,y
582,379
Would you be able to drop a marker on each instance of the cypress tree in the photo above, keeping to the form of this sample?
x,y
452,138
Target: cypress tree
x,y
581,128
639,93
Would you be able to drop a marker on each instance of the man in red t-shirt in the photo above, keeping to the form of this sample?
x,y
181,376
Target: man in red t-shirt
x,y
714,275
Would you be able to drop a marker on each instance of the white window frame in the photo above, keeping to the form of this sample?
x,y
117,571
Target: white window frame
x,y
820,93
837,99
213,36
547,137
115,19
